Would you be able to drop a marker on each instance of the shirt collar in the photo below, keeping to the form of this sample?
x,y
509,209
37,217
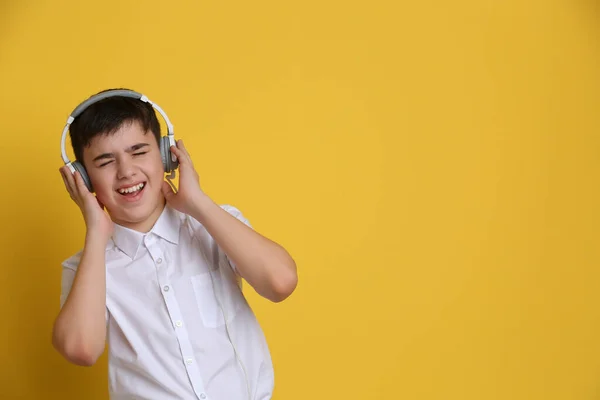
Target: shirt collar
x,y
167,227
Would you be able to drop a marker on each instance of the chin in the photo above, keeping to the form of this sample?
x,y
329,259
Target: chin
x,y
137,214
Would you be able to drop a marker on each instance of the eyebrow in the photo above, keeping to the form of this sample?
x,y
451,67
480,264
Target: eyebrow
x,y
129,150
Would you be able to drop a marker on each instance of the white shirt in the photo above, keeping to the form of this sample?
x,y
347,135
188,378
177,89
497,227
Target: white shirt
x,y
173,302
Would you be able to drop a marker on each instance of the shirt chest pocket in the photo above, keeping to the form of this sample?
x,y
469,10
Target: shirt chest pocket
x,y
219,298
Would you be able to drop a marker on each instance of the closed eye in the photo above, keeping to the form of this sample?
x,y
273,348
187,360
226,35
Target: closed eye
x,y
106,163
139,153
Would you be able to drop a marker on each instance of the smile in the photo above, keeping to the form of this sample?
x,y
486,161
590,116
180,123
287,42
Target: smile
x,y
132,189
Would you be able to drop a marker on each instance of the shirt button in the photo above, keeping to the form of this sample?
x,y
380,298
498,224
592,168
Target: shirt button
x,y
178,323
189,361
166,288
202,396
159,261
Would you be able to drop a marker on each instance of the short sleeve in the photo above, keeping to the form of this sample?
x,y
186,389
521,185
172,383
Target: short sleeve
x,y
210,248
240,217
69,269
236,213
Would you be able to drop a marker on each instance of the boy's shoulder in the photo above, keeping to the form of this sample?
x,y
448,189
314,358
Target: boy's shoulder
x,y
232,210
73,261
195,224
235,212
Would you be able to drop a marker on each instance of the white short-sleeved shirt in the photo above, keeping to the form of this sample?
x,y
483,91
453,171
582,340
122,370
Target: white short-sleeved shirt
x,y
178,325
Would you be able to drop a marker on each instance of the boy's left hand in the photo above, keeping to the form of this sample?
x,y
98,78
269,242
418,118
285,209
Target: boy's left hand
x,y
189,190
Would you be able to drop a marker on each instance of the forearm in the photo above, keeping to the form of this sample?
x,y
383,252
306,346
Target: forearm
x,y
80,328
263,263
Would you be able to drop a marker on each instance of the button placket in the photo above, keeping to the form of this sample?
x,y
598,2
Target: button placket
x,y
174,314
161,271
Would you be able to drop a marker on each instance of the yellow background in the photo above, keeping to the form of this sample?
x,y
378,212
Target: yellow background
x,y
433,167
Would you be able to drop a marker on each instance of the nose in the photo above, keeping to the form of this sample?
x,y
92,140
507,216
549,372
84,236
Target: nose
x,y
125,168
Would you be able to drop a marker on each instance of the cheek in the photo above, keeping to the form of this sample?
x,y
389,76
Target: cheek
x,y
102,186
156,170
105,196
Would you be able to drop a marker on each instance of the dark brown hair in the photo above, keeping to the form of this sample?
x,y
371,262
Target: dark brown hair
x,y
107,116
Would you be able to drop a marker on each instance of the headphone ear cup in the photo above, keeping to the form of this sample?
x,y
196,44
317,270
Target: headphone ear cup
x,y
165,152
86,179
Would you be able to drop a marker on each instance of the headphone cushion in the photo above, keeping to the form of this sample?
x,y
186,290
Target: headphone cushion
x,y
86,179
165,152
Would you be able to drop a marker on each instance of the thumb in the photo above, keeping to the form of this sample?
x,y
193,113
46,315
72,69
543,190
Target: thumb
x,y
167,190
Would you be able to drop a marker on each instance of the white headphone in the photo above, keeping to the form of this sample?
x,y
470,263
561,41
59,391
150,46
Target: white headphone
x,y
169,160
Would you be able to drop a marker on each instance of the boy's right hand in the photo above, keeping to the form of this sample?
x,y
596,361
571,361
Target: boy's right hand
x,y
96,219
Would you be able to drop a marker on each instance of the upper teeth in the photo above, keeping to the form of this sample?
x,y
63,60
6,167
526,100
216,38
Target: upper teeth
x,y
131,189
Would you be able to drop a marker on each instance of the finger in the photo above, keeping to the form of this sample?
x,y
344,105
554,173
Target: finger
x,y
167,190
181,156
80,184
182,151
62,175
68,179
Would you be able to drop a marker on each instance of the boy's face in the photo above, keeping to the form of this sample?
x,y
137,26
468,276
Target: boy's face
x,y
126,171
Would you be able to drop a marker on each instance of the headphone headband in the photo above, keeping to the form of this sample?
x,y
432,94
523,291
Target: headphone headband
x,y
104,95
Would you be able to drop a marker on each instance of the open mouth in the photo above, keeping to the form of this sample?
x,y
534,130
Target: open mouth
x,y
132,192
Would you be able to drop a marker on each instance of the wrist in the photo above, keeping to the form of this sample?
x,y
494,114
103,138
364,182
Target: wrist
x,y
95,238
200,207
